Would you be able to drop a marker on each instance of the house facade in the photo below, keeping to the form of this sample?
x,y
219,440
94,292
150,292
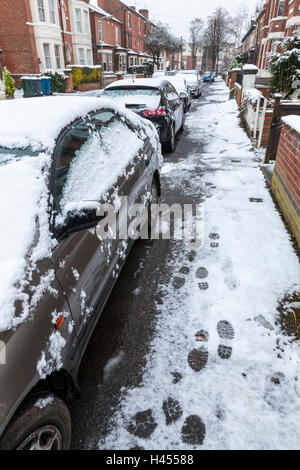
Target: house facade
x,y
281,19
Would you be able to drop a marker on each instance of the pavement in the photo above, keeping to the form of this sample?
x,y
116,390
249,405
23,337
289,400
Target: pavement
x,y
189,352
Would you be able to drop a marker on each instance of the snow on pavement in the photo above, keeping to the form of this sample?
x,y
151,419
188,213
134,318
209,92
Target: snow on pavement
x,y
221,374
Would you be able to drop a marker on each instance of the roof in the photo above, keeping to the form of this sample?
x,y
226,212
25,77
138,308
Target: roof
x,y
36,122
103,12
148,82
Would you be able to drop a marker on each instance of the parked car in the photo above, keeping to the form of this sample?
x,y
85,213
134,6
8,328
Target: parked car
x,y
158,74
58,158
194,83
180,85
154,99
208,77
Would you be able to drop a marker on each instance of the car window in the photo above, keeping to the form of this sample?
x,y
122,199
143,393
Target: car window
x,y
149,97
171,92
89,158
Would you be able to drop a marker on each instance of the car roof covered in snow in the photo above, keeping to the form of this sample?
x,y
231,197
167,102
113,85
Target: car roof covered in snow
x,y
37,122
144,82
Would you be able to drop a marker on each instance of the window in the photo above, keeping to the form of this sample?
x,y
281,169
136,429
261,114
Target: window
x,y
47,56
129,20
52,11
78,20
86,22
57,56
117,36
41,10
280,8
89,57
104,62
100,29
140,25
110,62
75,162
81,56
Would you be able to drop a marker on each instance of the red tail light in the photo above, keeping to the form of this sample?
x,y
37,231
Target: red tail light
x,y
155,112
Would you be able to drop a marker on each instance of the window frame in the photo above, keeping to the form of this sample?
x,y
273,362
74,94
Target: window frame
x,y
81,49
41,9
52,12
58,60
78,20
47,57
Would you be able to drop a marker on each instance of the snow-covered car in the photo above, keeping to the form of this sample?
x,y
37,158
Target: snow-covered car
x,y
59,158
158,74
193,81
180,85
154,99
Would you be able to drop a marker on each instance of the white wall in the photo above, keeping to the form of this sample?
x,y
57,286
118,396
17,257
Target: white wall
x,y
81,40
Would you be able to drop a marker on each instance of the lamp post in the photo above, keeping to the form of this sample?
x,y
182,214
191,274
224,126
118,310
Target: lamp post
x,y
108,17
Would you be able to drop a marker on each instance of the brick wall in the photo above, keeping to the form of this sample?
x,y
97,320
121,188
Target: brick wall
x,y
286,178
17,38
238,94
267,127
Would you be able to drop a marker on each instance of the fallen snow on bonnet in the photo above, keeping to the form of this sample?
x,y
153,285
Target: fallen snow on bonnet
x,y
252,400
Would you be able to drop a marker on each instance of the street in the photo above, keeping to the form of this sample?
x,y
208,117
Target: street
x,y
188,353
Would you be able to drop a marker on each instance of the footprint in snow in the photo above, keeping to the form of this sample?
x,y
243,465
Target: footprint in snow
x,y
172,410
142,424
201,273
203,285
226,332
193,431
231,281
178,282
197,359
184,270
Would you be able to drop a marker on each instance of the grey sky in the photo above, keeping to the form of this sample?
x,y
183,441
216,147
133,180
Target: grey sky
x,y
179,13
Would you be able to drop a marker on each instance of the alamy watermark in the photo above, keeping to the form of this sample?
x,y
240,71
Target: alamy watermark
x,y
2,353
155,221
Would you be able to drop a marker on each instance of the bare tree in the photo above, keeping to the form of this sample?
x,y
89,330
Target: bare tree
x,y
162,40
217,34
239,24
196,38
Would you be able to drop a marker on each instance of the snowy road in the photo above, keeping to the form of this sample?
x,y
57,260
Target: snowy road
x,y
188,353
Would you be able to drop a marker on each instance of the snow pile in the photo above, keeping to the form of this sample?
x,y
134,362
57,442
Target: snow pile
x,y
53,361
252,95
252,400
250,67
293,121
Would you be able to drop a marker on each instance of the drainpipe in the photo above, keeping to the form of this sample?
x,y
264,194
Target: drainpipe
x,y
63,32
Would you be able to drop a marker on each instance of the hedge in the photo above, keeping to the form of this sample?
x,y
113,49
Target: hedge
x,y
85,75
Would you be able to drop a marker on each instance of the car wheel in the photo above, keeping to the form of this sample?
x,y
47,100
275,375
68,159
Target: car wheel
x,y
170,144
42,424
153,208
183,122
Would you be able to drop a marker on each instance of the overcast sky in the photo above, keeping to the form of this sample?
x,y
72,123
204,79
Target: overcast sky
x,y
179,13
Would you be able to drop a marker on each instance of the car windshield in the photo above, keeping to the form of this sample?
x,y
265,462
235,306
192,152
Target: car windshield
x,y
189,72
149,97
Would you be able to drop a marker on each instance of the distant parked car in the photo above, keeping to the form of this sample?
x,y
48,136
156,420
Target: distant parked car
x,y
154,99
180,85
193,81
208,77
60,157
158,74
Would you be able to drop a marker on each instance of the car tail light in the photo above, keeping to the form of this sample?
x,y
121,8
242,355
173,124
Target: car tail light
x,y
155,112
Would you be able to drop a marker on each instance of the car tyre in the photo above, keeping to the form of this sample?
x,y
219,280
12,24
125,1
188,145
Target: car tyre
x,y
45,426
170,144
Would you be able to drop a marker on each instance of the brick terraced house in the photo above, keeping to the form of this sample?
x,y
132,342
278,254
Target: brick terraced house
x,y
37,35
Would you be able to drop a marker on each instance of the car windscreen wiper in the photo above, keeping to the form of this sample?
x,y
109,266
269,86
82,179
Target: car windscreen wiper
x,y
135,105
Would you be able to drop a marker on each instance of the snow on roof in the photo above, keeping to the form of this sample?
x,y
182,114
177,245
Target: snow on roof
x,y
293,121
103,12
36,122
149,82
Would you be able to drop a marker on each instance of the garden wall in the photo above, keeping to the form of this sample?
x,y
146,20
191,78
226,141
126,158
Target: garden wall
x,y
286,177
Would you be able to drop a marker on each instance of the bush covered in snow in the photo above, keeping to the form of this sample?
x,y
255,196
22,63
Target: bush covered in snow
x,y
285,66
9,84
59,81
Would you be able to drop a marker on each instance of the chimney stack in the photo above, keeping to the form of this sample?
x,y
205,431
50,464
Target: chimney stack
x,y
145,13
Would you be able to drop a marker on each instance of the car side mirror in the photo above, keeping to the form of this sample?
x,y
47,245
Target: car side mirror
x,y
76,220
183,95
